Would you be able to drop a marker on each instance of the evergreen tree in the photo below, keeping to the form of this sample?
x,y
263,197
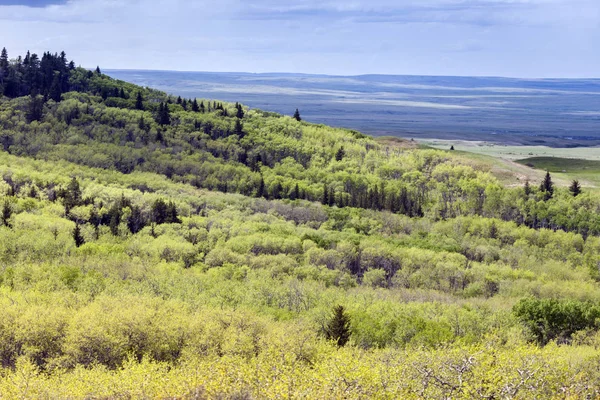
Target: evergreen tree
x,y
135,221
338,327
295,194
261,188
171,216
72,196
139,101
159,212
575,188
179,100
547,186
325,198
202,108
527,188
55,88
95,222
240,111
239,128
98,70
297,115
339,155
184,104
115,214
452,147
4,61
6,213
77,236
35,110
164,116
195,107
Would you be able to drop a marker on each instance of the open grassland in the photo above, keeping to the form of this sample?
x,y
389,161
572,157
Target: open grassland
x,y
513,165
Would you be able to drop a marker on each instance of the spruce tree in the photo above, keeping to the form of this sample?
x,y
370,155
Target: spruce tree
x,y
325,198
4,61
159,212
139,101
527,188
195,107
135,221
6,213
297,115
338,327
339,155
98,70
261,188
240,111
547,186
35,109
575,188
77,236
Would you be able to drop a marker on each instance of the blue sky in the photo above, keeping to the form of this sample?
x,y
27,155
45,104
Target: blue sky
x,y
517,38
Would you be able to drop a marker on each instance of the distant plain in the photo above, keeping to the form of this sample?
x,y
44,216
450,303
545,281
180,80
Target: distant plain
x,y
541,112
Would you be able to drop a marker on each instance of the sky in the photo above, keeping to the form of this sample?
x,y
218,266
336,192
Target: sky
x,y
512,38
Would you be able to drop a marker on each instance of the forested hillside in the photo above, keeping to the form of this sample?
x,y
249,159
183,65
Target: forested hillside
x,y
159,247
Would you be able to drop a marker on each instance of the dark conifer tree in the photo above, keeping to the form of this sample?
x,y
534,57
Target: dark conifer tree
x,y
575,188
35,110
527,188
339,155
338,327
547,186
240,111
159,212
261,188
136,221
115,214
77,236
195,107
4,61
171,216
179,100
72,195
297,115
139,101
55,88
6,213
202,108
325,198
239,128
295,195
95,221
122,94
184,104
98,70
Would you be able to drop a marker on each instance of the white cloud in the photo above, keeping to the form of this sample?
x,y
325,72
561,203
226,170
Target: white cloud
x,y
449,37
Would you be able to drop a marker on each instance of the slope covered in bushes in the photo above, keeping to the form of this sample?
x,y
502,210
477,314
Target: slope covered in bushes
x,y
186,248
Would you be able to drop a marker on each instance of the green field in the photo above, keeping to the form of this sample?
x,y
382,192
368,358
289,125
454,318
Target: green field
x,y
587,171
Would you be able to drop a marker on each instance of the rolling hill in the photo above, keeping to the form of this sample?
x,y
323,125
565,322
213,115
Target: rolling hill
x,y
161,247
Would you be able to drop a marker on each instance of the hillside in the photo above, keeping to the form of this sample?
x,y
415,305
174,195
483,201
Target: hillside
x,y
157,247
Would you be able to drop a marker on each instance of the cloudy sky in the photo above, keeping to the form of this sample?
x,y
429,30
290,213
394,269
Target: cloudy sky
x,y
517,38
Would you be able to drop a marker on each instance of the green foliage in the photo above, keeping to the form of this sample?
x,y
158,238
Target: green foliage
x,y
575,188
338,327
553,319
199,256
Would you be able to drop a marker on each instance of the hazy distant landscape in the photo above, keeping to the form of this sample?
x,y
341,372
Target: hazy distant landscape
x,y
553,112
